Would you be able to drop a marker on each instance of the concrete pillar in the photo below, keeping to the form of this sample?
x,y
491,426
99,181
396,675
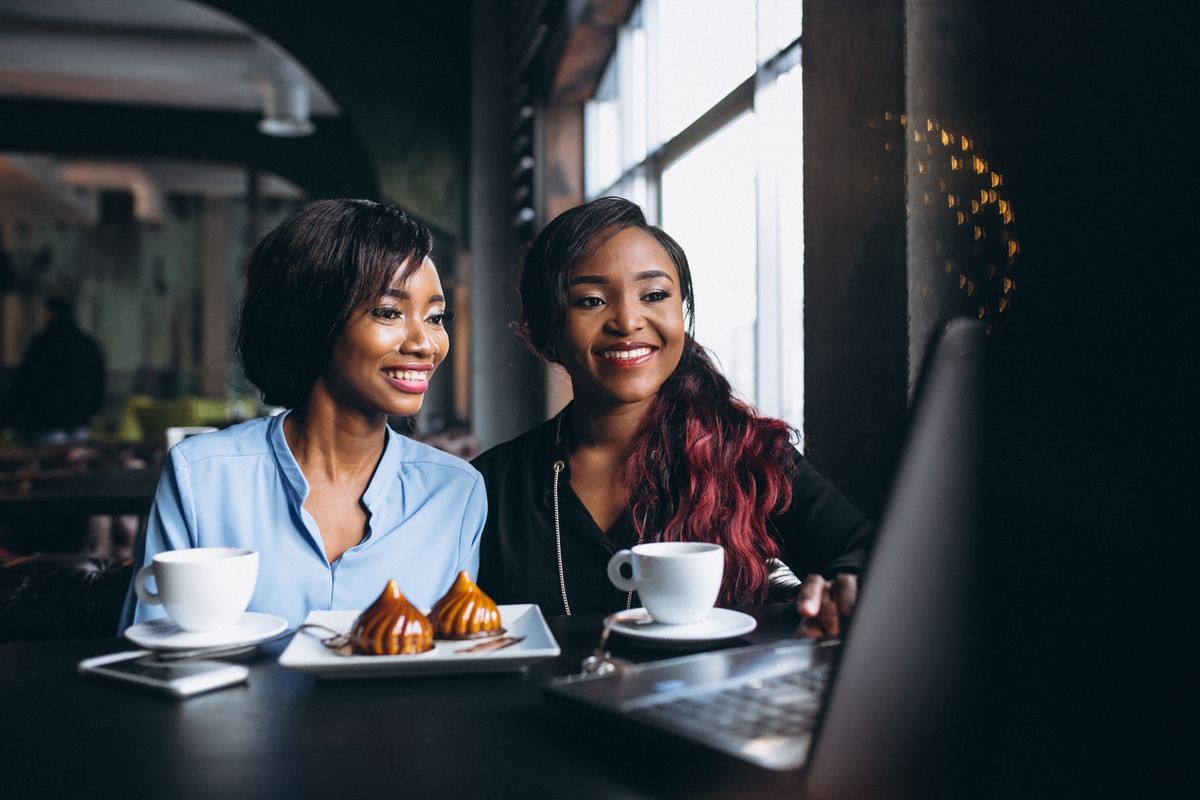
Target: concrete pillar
x,y
855,331
506,380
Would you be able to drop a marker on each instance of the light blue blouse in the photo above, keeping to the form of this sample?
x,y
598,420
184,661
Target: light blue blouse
x,y
241,487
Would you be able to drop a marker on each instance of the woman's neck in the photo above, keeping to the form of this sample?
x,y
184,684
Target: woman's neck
x,y
600,437
327,441
606,426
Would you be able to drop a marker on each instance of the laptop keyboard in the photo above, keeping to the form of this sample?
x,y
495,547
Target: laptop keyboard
x,y
738,718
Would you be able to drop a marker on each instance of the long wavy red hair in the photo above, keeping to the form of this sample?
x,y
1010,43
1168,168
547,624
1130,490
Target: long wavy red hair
x,y
705,467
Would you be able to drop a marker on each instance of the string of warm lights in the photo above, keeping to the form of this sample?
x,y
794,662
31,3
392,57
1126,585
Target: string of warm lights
x,y
973,222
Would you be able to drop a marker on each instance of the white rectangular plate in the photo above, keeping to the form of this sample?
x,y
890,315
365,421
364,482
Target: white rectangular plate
x,y
306,653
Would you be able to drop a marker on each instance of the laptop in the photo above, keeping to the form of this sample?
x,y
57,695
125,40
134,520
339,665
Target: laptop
x,y
877,711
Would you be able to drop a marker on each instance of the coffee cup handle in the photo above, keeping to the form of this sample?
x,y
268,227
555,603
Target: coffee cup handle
x,y
619,559
143,591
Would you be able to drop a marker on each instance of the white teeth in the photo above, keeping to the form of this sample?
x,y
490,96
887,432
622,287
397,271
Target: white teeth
x,y
407,375
625,355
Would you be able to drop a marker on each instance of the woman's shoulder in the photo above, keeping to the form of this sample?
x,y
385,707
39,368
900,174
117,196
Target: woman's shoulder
x,y
250,438
803,469
529,444
427,457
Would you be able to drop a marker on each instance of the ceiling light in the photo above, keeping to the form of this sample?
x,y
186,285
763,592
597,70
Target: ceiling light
x,y
285,108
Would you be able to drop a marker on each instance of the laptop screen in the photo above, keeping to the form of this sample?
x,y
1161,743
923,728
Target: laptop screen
x,y
889,720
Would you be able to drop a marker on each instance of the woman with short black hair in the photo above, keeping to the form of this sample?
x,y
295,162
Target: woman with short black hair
x,y
343,322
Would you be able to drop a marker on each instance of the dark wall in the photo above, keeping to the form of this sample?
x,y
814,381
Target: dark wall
x,y
854,244
1080,107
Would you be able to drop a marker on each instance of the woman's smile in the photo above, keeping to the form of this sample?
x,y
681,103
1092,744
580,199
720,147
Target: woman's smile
x,y
410,378
626,356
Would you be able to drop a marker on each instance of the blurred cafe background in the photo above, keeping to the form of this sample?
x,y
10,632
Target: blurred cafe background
x,y
845,176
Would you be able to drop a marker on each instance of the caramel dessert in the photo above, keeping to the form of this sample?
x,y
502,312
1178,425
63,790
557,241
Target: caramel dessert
x,y
465,612
391,626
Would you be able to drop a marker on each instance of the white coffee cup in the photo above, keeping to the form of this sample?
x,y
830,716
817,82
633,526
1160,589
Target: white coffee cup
x,y
202,588
678,582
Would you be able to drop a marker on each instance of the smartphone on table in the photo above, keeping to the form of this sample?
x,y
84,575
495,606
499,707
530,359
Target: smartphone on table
x,y
178,679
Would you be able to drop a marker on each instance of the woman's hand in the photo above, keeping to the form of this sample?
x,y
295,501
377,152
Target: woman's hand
x,y
826,605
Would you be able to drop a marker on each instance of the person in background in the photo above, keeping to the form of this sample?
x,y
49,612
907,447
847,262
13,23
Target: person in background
x,y
343,323
654,446
59,385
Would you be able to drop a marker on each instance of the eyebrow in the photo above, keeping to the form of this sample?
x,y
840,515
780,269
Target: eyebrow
x,y
400,294
641,276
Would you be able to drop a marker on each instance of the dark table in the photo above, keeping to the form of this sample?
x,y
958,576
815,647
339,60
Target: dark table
x,y
288,734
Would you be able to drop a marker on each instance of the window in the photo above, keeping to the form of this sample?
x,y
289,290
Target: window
x,y
708,205
697,118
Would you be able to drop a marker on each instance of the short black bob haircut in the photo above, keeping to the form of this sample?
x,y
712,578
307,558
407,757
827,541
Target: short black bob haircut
x,y
304,280
546,275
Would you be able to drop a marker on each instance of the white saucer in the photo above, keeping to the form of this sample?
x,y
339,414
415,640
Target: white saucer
x,y
721,623
163,634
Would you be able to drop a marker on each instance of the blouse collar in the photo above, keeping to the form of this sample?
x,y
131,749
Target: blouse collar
x,y
283,456
380,480
383,481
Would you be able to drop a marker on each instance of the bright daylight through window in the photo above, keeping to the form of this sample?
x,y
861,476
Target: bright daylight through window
x,y
698,118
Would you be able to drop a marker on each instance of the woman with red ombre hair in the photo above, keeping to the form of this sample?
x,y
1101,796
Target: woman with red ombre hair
x,y
654,446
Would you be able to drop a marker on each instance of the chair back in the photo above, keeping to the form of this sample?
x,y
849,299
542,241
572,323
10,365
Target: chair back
x,y
61,597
